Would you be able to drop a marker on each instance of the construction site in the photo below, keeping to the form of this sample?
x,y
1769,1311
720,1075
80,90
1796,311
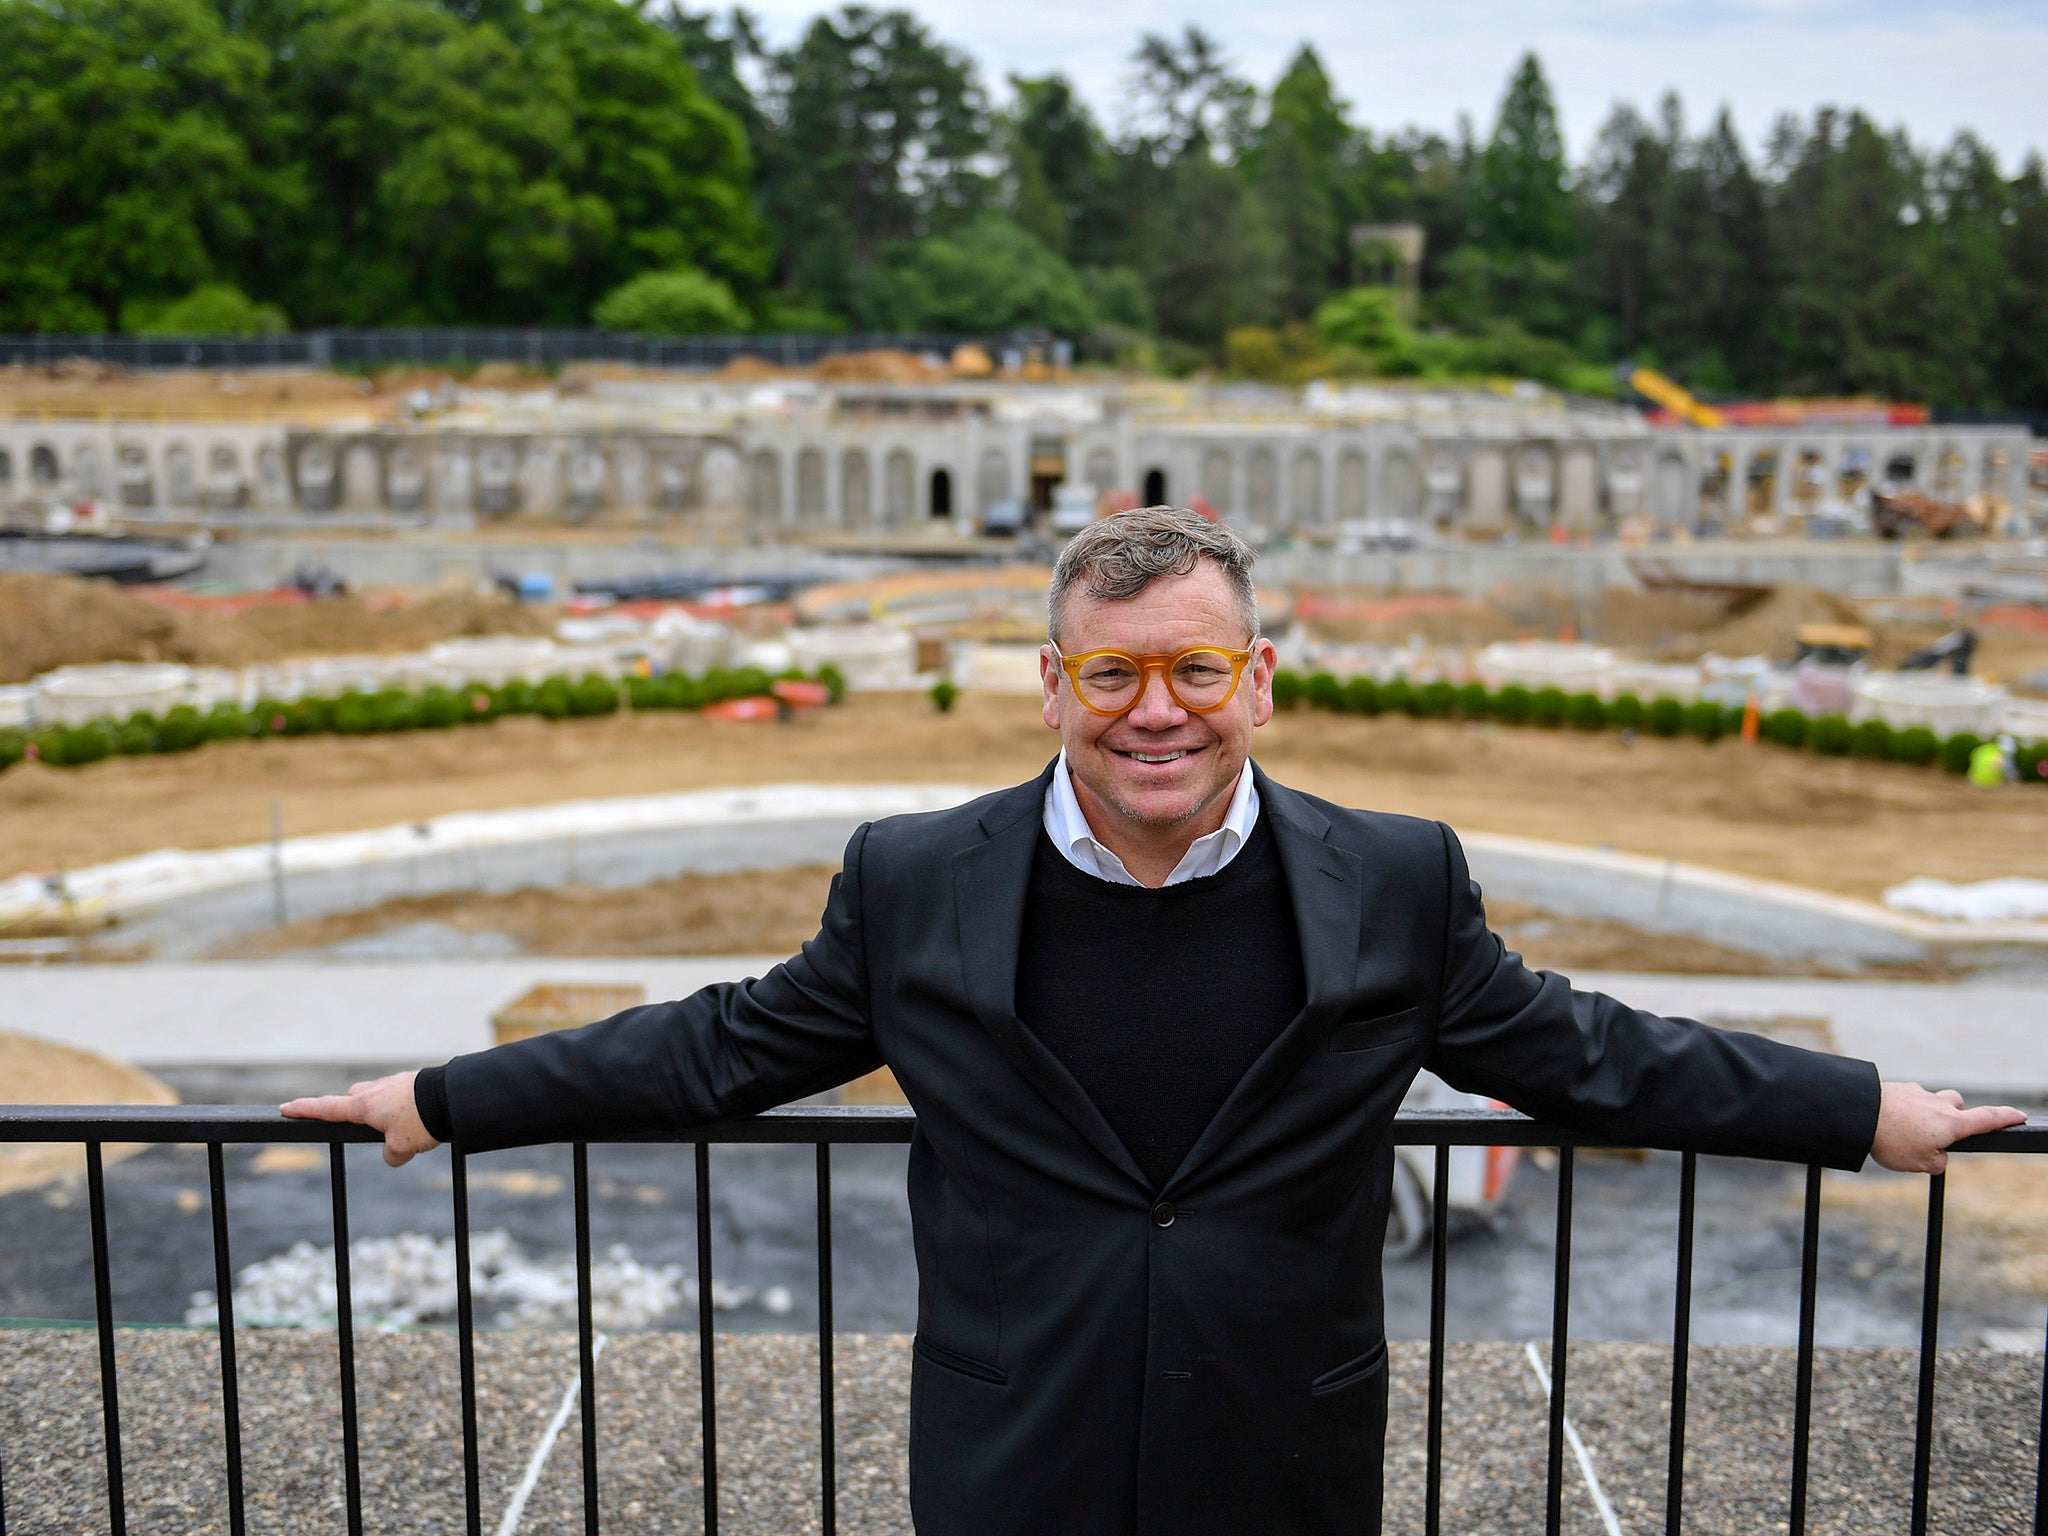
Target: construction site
x,y
348,724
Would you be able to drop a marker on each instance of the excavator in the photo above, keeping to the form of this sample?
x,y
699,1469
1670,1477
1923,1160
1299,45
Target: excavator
x,y
1674,397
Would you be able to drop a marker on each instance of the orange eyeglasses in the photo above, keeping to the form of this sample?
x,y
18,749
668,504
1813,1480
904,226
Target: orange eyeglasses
x,y
1201,679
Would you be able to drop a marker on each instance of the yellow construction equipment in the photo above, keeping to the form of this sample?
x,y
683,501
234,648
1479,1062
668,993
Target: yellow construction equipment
x,y
1675,398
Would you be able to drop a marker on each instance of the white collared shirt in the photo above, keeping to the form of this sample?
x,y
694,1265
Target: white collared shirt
x,y
1068,828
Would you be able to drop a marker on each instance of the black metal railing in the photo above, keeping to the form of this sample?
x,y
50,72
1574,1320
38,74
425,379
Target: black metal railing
x,y
823,1127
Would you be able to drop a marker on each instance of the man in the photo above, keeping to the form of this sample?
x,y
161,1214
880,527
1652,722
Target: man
x,y
1156,1012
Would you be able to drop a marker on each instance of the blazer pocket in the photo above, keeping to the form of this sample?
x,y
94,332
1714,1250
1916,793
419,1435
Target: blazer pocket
x,y
1351,1372
1370,1034
961,1365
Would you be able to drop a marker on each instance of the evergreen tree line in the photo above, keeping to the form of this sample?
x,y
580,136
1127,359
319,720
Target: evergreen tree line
x,y
238,165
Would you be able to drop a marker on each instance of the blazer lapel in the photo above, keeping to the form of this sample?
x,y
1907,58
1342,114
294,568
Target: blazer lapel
x,y
990,880
1327,886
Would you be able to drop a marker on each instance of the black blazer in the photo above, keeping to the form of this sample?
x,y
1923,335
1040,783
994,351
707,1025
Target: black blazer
x,y
1095,1357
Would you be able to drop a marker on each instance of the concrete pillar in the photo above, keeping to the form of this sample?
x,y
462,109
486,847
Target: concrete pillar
x,y
1486,490
1578,488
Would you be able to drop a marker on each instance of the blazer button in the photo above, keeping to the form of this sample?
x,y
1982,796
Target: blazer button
x,y
1163,1214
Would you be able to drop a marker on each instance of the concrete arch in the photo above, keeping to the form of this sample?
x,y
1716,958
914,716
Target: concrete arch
x,y
497,480
1534,478
1351,485
181,476
764,484
1216,477
44,468
899,488
1154,492
629,472
6,472
1443,486
992,478
540,478
451,480
313,472
1673,492
810,486
1949,470
1262,484
225,486
856,487
717,478
587,475
405,479
1400,484
1578,488
942,493
1305,490
1626,484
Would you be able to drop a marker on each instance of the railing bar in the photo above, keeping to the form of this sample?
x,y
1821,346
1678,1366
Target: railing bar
x,y
224,1307
345,1339
1802,1408
586,1353
1930,1329
1681,1342
828,1492
1560,1328
103,1311
706,1364
2041,1455
465,1341
1439,1269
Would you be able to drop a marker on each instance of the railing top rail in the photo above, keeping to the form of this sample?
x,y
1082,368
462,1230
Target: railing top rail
x,y
804,1123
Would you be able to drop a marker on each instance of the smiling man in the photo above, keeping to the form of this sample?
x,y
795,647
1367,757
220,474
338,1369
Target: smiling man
x,y
1156,1013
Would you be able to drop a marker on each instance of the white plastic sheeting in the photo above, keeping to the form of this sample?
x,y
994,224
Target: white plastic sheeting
x,y
1986,901
172,873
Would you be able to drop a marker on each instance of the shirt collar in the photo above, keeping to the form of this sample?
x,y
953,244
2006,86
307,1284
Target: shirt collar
x,y
1068,828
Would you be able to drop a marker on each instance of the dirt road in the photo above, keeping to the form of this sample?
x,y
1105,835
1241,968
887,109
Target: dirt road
x,y
1836,825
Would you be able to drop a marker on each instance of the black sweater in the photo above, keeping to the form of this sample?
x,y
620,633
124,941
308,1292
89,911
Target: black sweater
x,y
1158,1001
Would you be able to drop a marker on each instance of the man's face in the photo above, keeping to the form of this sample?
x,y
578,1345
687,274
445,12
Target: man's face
x,y
1159,765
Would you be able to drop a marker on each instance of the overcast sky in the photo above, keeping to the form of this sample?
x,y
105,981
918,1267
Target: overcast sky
x,y
1935,67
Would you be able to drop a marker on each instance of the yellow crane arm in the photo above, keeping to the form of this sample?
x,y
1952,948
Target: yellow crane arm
x,y
1652,385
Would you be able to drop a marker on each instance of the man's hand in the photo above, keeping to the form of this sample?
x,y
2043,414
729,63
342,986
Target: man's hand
x,y
1916,1128
385,1105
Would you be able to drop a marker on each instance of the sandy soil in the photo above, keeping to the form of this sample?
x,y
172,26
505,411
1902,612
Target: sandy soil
x,y
52,621
772,912
39,1072
1838,825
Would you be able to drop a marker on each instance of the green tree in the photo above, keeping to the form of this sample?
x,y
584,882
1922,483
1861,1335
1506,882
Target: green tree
x,y
1521,203
132,138
878,134
1230,276
2022,331
1296,163
681,301
989,275
212,309
1055,143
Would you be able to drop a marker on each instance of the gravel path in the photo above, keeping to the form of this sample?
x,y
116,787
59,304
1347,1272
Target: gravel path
x,y
1739,1435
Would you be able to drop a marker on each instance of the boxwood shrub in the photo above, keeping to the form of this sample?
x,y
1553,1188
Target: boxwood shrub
x,y
1704,719
1324,691
352,714
393,709
1435,700
1956,750
1916,745
1511,704
1546,706
551,699
307,717
1625,712
270,717
47,744
1474,702
439,708
227,722
1872,741
91,742
1831,735
833,679
513,698
1585,712
1664,717
1288,688
138,736
1397,696
645,693
181,729
2032,760
13,746
1362,695
595,695
1785,727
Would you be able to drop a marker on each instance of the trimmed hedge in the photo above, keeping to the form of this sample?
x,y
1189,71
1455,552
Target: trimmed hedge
x,y
1828,735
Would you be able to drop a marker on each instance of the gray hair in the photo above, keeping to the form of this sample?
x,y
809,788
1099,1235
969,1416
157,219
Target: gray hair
x,y
1122,555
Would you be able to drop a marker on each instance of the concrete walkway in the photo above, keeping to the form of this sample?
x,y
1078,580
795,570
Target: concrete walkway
x,y
1981,1037
1617,1396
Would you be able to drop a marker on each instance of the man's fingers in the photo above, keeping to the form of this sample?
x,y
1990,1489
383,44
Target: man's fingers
x,y
394,1158
1986,1117
1949,1096
333,1106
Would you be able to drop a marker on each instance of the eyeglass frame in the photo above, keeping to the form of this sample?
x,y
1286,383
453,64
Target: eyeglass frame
x,y
1164,662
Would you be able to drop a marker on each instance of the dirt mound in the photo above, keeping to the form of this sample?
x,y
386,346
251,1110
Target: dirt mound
x,y
55,621
880,367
